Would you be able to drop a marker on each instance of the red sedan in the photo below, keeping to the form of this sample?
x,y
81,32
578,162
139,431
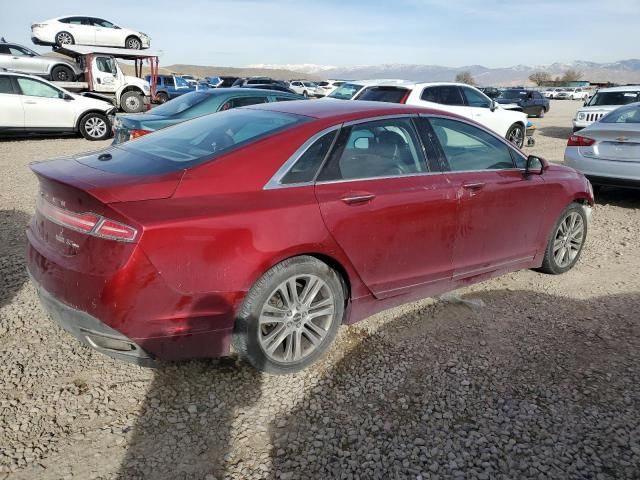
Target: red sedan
x,y
262,229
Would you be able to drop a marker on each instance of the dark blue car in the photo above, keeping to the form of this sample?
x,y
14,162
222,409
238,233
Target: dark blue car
x,y
191,105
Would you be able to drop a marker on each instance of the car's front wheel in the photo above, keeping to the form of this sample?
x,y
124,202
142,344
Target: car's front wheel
x,y
290,316
133,43
515,134
95,126
566,241
162,97
132,102
541,112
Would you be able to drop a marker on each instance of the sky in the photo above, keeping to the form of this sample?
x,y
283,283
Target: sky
x,y
452,33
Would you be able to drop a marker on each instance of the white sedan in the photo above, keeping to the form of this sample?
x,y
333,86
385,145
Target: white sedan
x,y
84,30
29,104
608,151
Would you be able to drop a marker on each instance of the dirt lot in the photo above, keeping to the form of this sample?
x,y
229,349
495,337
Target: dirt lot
x,y
525,376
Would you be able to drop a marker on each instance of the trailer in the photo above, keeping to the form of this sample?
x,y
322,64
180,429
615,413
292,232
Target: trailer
x,y
103,77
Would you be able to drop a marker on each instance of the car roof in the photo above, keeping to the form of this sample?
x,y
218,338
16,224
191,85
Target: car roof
x,y
626,88
340,110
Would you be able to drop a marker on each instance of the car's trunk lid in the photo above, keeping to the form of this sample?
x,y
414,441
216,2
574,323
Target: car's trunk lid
x,y
613,143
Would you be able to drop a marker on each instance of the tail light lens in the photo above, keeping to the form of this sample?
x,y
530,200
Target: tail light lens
x,y
135,133
89,223
578,141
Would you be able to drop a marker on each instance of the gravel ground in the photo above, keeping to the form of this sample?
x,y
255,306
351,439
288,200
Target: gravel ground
x,y
525,376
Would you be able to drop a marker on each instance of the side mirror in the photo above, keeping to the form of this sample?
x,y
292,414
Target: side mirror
x,y
535,166
65,96
493,105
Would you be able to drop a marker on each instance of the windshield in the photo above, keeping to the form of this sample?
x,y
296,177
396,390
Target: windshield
x,y
346,91
179,104
512,94
630,114
194,141
613,98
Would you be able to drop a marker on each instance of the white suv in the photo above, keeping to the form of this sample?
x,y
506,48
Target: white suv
x,y
29,104
604,101
458,98
304,87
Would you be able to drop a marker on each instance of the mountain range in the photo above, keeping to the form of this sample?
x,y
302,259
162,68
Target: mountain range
x,y
623,71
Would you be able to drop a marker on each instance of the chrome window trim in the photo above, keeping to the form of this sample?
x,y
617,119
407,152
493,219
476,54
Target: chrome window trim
x,y
386,177
274,181
483,128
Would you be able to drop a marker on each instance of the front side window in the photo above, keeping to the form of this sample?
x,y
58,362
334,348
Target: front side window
x,y
34,88
98,22
468,148
20,51
106,65
444,94
475,98
306,167
179,82
383,148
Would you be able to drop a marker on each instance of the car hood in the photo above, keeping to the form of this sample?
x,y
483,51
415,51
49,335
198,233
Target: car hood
x,y
139,82
598,108
88,102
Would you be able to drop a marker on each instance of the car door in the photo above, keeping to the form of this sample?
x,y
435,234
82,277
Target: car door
x,y
81,29
499,209
44,105
106,33
105,74
25,60
390,212
11,110
480,108
443,97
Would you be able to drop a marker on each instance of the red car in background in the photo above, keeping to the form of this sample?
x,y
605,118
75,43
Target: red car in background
x,y
264,228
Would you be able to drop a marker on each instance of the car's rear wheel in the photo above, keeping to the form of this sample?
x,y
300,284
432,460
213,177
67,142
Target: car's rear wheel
x,y
95,126
132,102
162,97
62,73
64,38
515,135
133,43
290,316
566,241
305,94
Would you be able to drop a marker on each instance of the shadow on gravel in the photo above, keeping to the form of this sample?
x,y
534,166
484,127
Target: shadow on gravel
x,y
185,427
562,133
527,386
38,136
618,197
12,246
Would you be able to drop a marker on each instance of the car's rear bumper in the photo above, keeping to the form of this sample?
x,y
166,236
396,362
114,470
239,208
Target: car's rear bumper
x,y
602,171
39,41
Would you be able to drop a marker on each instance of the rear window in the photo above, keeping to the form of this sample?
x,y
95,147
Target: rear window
x,y
630,114
384,94
179,104
346,91
613,98
194,141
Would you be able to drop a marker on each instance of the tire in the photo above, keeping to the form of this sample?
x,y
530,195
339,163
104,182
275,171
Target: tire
x,y
62,73
161,97
516,135
305,94
290,337
133,43
541,112
132,102
95,126
64,38
567,239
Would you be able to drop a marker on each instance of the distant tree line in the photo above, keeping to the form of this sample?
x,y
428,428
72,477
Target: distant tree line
x,y
540,78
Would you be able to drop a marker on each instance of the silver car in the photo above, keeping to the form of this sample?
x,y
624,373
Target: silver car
x,y
22,59
608,151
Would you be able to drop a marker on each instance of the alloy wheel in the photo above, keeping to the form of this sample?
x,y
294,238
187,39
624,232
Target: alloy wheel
x,y
133,43
65,38
568,239
296,318
95,127
516,136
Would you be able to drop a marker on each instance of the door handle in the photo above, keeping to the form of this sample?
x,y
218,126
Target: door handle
x,y
473,186
30,102
357,198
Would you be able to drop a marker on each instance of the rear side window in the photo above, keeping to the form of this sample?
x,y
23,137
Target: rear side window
x,y
468,148
306,167
195,141
444,94
384,94
6,85
630,114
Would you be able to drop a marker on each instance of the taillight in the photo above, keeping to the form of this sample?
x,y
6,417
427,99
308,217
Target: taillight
x,y
578,141
135,133
89,223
